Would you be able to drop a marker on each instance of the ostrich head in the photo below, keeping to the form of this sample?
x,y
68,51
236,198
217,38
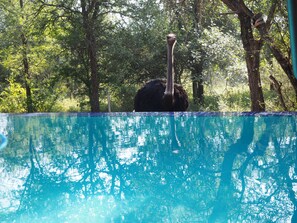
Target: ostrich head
x,y
171,40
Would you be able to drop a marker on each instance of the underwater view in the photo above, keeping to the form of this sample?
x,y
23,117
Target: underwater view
x,y
148,167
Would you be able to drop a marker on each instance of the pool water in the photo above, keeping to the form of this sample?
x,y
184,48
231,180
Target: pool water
x,y
150,167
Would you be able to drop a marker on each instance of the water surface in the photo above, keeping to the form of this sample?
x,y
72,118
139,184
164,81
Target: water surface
x,y
157,167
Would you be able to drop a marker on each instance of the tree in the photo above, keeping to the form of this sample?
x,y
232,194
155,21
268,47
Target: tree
x,y
19,19
26,68
253,46
27,54
86,38
90,13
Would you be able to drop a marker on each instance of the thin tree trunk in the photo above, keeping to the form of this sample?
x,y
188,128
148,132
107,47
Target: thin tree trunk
x,y
286,66
94,73
277,87
197,80
252,50
89,18
198,88
29,101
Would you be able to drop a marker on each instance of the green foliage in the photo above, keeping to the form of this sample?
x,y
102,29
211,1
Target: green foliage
x,y
13,98
131,49
211,103
66,105
24,38
224,57
236,101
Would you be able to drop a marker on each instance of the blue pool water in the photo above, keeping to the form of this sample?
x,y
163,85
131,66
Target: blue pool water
x,y
158,167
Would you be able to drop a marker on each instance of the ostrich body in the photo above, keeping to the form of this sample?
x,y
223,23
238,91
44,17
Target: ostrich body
x,y
161,94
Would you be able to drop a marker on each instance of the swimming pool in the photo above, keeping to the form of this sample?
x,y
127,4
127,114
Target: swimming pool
x,y
151,167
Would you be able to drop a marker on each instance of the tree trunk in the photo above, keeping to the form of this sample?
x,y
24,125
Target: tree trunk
x,y
252,50
94,98
29,101
245,16
89,18
198,88
286,66
197,84
283,61
277,86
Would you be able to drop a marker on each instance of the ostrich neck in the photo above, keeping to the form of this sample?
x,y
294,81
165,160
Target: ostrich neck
x,y
170,73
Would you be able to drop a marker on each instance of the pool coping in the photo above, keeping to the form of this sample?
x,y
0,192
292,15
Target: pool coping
x,y
137,114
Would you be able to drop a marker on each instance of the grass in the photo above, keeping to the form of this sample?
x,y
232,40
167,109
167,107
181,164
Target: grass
x,y
220,99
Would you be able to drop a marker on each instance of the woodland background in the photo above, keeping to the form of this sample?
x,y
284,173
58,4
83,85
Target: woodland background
x,y
76,55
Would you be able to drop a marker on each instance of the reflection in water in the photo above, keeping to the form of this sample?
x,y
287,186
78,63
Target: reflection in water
x,y
3,141
149,168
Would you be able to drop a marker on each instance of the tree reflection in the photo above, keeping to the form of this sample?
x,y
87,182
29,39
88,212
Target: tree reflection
x,y
149,168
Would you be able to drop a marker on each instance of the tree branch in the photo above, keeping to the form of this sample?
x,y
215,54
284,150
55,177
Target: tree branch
x,y
62,6
277,87
231,5
245,9
271,14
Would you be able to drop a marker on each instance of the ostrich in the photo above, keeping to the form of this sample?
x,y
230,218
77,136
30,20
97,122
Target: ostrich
x,y
160,94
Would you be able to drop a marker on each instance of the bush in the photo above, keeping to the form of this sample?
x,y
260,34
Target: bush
x,y
13,99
